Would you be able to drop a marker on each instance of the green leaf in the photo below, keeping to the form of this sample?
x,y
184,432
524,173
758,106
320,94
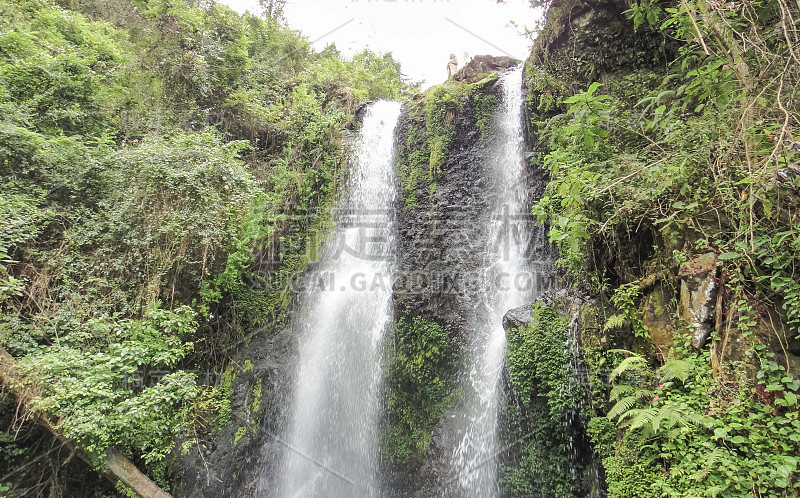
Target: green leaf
x,y
593,88
729,255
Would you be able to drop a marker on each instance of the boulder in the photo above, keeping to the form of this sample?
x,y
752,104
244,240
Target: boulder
x,y
483,64
518,317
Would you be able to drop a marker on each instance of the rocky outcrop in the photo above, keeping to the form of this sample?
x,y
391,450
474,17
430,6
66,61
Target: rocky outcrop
x,y
523,315
518,317
257,383
658,316
439,254
480,65
698,295
438,244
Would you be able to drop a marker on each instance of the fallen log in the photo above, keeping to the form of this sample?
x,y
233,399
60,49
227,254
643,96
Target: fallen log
x,y
119,468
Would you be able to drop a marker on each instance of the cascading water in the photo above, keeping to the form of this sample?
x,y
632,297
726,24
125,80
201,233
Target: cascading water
x,y
509,281
330,446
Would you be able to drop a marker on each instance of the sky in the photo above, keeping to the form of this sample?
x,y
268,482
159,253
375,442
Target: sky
x,y
420,34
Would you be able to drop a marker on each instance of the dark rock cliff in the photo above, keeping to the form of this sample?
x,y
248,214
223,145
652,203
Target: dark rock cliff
x,y
440,252
442,244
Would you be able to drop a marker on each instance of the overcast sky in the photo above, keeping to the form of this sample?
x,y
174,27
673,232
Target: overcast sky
x,y
421,34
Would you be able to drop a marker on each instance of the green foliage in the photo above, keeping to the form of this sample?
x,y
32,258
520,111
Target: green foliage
x,y
420,373
150,154
226,391
58,69
702,438
689,154
369,75
9,286
87,379
696,156
624,298
545,411
413,156
483,108
441,107
24,469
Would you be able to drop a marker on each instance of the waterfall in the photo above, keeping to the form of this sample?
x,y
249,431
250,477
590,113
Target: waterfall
x,y
509,280
330,444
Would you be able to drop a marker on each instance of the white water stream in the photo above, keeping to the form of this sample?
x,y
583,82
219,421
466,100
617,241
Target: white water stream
x,y
330,446
510,281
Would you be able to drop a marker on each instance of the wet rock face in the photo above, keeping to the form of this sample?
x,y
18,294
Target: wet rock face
x,y
483,64
230,463
438,237
441,248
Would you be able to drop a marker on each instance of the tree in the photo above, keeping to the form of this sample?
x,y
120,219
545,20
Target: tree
x,y
273,9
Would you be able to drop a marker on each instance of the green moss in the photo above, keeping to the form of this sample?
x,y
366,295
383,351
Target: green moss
x,y
412,157
420,371
255,396
248,365
240,432
441,108
431,133
483,102
226,391
483,108
544,411
484,83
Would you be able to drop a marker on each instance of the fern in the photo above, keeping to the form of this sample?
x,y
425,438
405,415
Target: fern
x,y
641,419
674,369
627,403
619,390
614,321
622,407
631,363
714,457
651,420
669,417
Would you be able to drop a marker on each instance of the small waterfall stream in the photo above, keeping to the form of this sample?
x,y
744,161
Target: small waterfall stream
x,y
330,445
510,281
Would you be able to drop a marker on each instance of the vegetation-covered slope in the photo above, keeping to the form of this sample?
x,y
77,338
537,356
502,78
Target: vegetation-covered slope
x,y
150,152
672,136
